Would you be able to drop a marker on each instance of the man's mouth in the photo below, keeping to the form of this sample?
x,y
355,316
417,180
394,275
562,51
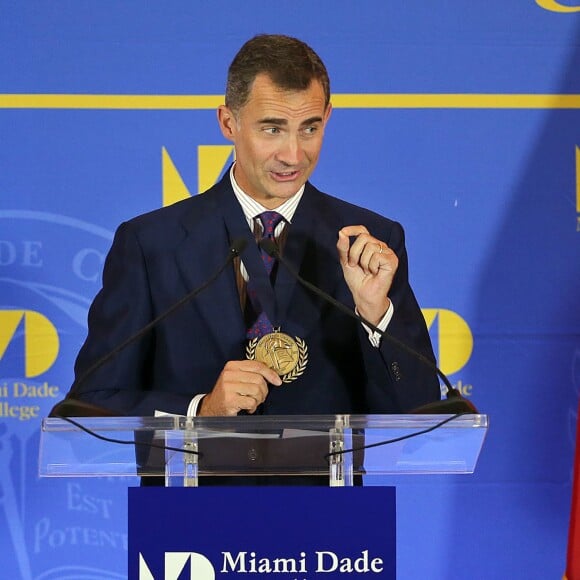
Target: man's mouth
x,y
284,175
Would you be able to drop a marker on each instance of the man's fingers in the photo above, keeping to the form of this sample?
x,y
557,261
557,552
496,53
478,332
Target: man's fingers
x,y
352,252
249,369
385,260
354,230
247,403
256,392
343,246
374,255
365,251
242,385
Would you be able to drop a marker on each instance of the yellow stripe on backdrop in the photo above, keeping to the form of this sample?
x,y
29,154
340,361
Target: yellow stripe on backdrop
x,y
339,101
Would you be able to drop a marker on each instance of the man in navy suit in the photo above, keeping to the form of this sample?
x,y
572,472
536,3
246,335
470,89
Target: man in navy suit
x,y
197,361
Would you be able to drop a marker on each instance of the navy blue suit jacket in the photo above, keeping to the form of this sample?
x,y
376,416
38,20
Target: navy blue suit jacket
x,y
158,257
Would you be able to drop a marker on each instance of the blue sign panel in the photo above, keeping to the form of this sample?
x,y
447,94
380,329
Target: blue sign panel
x,y
248,532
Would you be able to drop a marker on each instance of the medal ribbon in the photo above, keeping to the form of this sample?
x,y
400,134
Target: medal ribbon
x,y
262,325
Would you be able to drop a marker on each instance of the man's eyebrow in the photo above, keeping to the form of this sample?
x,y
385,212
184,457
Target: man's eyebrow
x,y
272,121
283,122
312,121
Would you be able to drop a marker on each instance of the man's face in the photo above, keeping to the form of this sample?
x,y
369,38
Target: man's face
x,y
277,136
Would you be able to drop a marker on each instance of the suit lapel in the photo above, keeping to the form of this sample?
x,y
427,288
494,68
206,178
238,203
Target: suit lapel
x,y
311,250
209,232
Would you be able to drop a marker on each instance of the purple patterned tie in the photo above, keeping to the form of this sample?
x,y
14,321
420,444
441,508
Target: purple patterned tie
x,y
261,325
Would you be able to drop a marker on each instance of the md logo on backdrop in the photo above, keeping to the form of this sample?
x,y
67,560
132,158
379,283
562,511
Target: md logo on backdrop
x,y
453,342
29,346
211,162
40,345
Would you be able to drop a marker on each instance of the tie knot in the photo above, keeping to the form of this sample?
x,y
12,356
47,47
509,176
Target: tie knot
x,y
270,219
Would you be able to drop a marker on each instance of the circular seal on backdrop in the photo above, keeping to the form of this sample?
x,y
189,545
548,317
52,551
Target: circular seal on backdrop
x,y
50,270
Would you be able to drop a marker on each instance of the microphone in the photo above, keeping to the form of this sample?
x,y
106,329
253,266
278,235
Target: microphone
x,y
454,404
73,407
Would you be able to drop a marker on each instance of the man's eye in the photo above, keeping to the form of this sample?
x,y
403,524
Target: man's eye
x,y
272,130
310,130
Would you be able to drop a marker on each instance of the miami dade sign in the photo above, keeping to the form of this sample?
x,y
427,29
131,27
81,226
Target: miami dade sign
x,y
294,533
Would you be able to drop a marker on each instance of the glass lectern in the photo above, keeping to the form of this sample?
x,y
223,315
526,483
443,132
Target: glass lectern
x,y
184,450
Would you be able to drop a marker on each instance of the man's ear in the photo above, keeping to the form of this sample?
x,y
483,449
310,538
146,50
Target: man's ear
x,y
327,113
227,122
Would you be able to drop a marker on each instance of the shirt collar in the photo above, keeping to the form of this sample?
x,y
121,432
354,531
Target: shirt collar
x,y
252,208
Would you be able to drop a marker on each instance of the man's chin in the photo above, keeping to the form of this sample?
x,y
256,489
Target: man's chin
x,y
284,193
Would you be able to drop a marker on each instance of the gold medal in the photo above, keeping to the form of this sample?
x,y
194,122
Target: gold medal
x,y
285,355
278,351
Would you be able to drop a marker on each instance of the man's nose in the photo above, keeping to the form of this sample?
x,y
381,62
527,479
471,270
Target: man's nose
x,y
291,151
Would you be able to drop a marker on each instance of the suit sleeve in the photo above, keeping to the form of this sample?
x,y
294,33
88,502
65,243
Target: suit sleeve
x,y
122,382
395,378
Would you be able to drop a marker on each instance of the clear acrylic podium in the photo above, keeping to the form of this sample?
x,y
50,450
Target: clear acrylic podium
x,y
184,450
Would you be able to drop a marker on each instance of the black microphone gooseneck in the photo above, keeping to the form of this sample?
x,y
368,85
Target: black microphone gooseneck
x,y
455,402
72,407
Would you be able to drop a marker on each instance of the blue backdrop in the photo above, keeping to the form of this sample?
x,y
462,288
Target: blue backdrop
x,y
461,120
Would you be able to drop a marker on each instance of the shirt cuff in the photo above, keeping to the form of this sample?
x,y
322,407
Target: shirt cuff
x,y
194,405
375,337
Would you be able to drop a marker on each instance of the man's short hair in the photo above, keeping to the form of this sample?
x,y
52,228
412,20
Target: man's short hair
x,y
290,63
